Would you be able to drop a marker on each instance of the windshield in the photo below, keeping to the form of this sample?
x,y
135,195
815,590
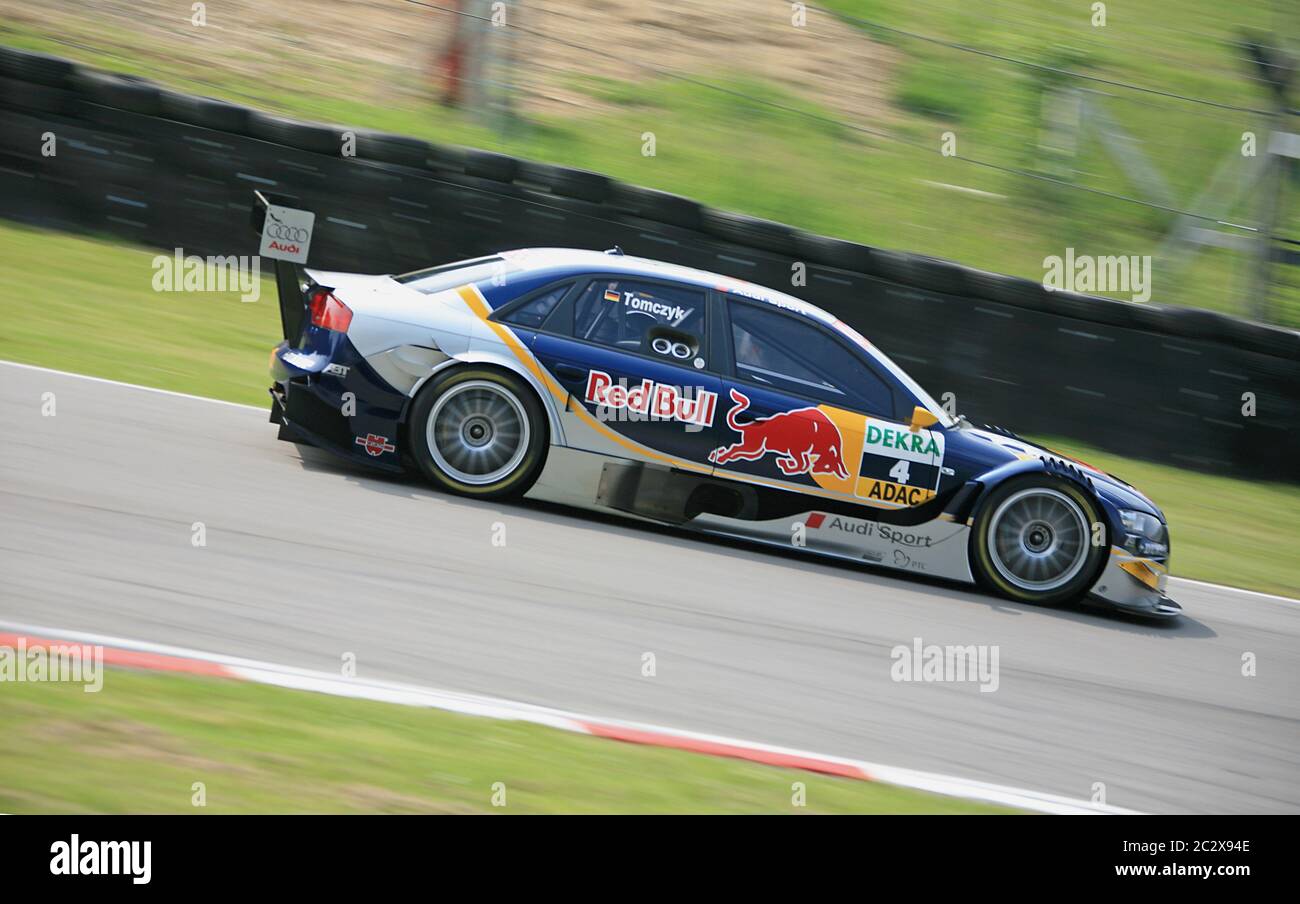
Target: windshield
x,y
789,302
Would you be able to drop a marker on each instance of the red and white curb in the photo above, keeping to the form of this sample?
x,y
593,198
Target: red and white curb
x,y
134,654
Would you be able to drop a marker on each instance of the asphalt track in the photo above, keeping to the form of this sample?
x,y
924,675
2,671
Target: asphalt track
x,y
307,559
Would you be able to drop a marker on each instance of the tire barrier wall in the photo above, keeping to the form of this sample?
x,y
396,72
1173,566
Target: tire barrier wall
x,y
169,170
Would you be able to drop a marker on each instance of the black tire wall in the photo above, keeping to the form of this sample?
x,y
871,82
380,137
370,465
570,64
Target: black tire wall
x,y
168,170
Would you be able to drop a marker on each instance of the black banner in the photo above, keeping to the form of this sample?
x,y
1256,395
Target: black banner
x,y
934,856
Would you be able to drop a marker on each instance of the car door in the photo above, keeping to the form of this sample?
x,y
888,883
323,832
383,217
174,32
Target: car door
x,y
631,353
806,411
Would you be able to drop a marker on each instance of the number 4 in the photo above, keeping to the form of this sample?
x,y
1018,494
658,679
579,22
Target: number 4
x,y
899,471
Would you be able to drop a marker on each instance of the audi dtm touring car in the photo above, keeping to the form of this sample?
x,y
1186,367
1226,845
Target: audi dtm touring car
x,y
630,386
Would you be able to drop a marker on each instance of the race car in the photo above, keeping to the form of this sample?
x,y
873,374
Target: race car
x,y
625,385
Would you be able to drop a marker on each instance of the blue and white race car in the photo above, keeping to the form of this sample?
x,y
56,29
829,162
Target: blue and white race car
x,y
626,385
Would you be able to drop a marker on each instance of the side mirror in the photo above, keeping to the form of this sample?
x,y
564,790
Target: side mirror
x,y
922,418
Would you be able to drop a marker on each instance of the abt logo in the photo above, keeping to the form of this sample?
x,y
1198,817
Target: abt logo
x,y
375,445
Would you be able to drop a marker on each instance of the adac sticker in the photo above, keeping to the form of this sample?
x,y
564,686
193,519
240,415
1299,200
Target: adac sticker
x,y
375,445
900,466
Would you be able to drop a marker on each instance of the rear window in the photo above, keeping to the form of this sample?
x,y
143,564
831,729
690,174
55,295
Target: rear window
x,y
534,313
449,276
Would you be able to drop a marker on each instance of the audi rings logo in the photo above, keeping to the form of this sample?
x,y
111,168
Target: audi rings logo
x,y
288,233
663,346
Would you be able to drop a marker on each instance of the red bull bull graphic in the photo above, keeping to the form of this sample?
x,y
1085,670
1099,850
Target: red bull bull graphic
x,y
804,441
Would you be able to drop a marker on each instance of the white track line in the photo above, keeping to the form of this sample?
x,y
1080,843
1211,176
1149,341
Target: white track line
x,y
1229,589
166,392
638,732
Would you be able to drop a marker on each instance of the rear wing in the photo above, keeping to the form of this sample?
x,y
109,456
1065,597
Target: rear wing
x,y
285,233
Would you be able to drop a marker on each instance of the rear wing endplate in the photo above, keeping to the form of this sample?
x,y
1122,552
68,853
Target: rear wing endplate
x,y
285,234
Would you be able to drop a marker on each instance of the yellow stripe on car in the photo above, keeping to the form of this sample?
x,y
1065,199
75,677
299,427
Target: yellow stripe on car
x,y
478,304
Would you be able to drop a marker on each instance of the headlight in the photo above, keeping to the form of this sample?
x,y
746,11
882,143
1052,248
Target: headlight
x,y
1145,535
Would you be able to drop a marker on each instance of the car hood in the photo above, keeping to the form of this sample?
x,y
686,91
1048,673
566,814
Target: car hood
x,y
996,449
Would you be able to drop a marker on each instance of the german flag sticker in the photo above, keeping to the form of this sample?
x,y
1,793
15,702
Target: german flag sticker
x,y
612,295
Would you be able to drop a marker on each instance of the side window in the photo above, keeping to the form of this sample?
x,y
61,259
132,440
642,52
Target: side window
x,y
534,313
640,316
782,351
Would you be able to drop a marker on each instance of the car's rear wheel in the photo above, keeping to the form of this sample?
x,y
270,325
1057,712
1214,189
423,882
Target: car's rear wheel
x,y
1033,540
478,432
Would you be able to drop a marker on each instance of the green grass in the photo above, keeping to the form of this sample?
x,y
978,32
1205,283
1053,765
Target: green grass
x,y
87,305
1179,46
140,744
745,155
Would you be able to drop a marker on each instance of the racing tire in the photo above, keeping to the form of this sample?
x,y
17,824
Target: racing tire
x,y
36,68
473,162
313,137
837,253
656,206
120,92
564,181
749,232
389,148
206,112
30,97
1032,541
478,431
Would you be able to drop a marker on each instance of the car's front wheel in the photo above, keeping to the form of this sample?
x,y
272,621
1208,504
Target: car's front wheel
x,y
478,432
1033,541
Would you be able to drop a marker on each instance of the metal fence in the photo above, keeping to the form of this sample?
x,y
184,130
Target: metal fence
x,y
171,170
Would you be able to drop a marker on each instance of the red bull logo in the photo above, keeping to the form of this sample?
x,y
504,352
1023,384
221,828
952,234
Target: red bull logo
x,y
655,401
804,441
